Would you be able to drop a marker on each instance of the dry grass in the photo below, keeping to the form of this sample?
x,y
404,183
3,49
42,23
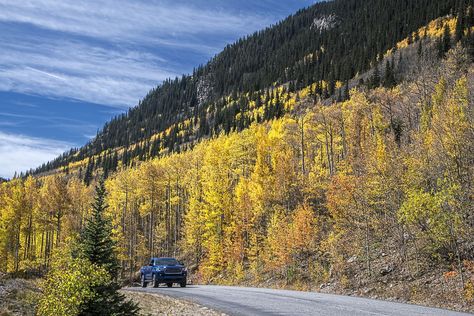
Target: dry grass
x,y
18,297
155,304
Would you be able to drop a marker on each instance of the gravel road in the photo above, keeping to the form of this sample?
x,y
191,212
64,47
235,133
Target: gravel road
x,y
256,301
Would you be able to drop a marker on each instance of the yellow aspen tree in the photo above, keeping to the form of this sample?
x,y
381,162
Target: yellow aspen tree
x,y
217,203
260,192
278,255
14,211
57,202
194,218
30,218
3,228
81,199
241,228
303,231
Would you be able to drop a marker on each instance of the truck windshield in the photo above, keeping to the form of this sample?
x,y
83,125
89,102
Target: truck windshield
x,y
166,262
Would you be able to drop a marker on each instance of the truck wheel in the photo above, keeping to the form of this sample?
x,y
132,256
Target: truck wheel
x,y
183,283
143,282
169,284
155,281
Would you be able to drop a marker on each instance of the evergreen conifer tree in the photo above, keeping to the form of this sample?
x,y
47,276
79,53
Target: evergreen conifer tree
x,y
346,91
97,245
339,96
389,77
445,43
375,80
460,23
469,43
420,49
89,171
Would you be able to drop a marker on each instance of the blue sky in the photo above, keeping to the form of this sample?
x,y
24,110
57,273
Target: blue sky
x,y
67,67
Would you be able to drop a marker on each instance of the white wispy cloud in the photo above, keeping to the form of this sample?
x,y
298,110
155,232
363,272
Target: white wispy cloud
x,y
79,70
110,52
132,20
106,51
19,152
46,73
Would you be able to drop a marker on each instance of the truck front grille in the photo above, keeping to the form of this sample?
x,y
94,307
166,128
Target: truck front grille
x,y
172,270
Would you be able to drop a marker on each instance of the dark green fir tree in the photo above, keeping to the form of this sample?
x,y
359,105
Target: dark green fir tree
x,y
97,245
389,76
346,95
444,44
375,79
459,31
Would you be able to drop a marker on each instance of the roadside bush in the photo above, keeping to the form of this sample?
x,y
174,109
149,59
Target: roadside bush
x,y
69,285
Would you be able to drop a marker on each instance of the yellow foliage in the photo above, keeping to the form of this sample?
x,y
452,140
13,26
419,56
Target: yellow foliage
x,y
433,30
294,198
469,291
65,295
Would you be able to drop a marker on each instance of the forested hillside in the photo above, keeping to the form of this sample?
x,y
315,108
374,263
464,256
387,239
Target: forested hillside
x,y
372,191
326,45
370,194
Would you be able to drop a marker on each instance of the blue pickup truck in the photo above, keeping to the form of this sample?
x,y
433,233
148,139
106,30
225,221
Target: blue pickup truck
x,y
163,270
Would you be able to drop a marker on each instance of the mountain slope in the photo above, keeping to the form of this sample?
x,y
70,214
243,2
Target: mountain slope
x,y
328,43
370,196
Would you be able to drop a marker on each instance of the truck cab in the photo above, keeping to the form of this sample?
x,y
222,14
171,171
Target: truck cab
x,y
163,271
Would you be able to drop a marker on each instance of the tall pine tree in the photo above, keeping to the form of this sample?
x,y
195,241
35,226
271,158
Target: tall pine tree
x,y
97,246
375,79
389,77
444,44
459,32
